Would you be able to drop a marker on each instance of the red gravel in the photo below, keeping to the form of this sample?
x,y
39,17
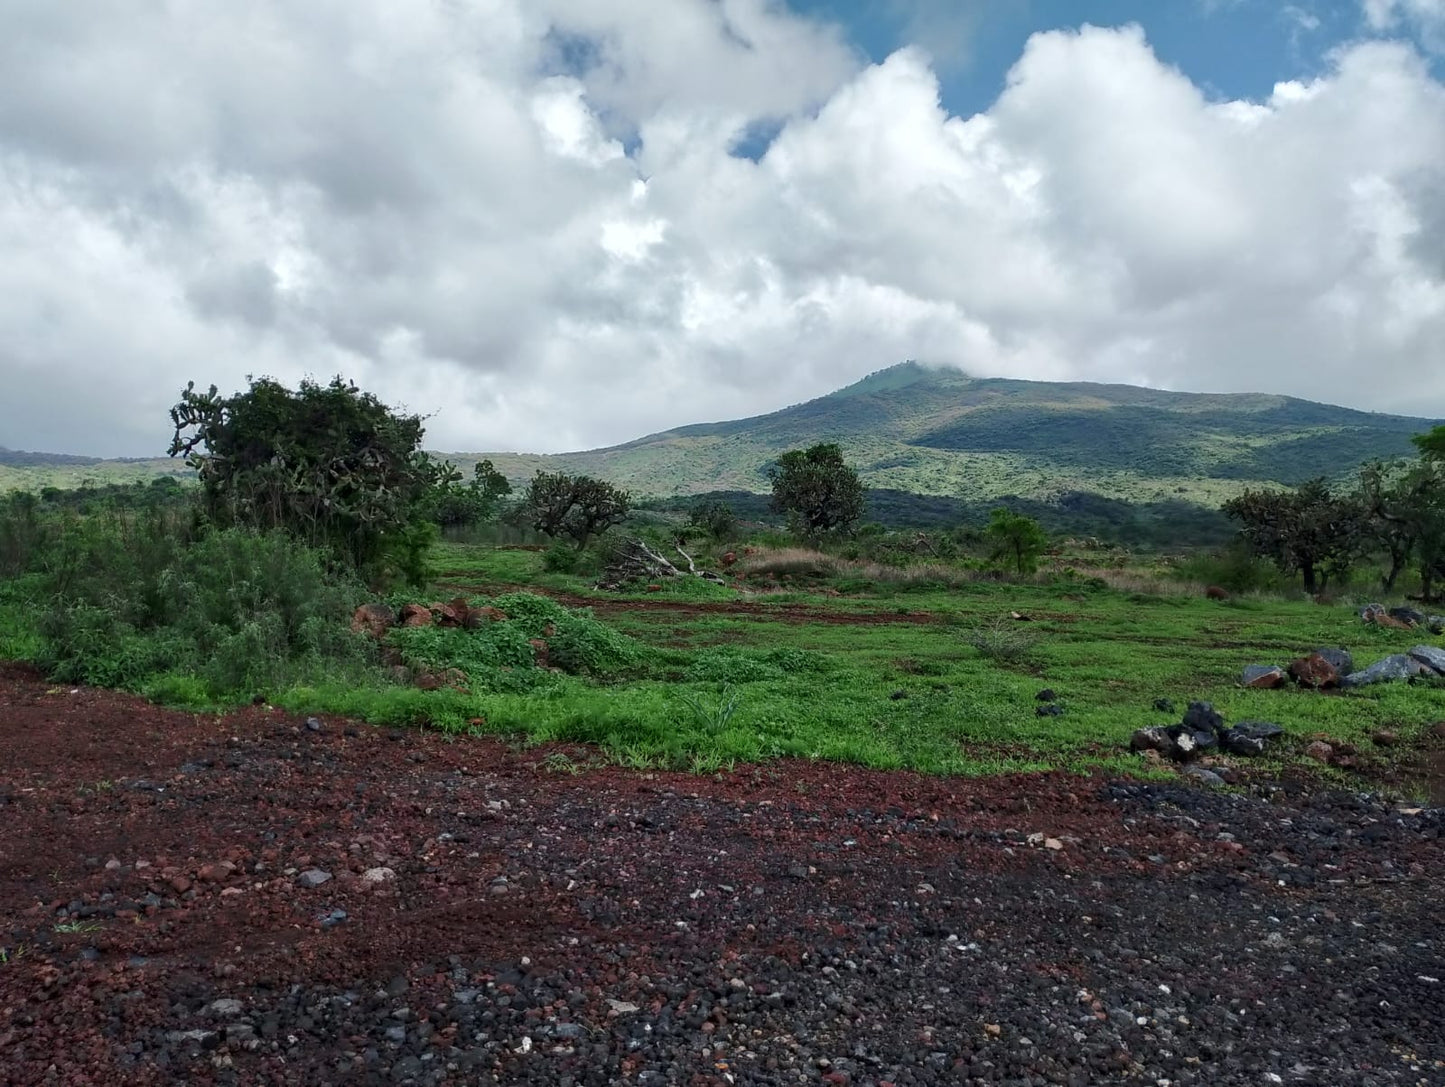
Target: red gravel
x,y
782,924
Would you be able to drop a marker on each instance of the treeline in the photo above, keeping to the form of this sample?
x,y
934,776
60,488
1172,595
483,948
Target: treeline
x,y
1320,532
1157,525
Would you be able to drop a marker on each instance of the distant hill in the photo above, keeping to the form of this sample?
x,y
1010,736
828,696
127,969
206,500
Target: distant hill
x,y
940,432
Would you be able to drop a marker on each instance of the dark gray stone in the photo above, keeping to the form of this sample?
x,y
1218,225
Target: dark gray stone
x,y
1396,666
1433,657
1204,776
1202,717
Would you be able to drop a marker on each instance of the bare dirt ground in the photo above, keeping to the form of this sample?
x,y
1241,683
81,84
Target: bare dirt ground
x,y
249,900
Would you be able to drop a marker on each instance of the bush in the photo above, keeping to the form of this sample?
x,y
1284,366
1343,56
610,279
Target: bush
x,y
500,655
1004,642
243,611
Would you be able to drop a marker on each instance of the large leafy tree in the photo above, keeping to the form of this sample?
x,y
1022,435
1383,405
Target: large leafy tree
x,y
817,489
578,507
1310,530
330,464
1015,540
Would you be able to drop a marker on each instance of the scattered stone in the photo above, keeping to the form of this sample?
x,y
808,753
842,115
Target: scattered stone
x,y
1435,624
332,918
1164,705
226,1008
1046,695
1396,666
1431,656
218,872
1314,671
1385,738
1248,738
375,876
1050,709
373,620
620,1007
313,878
416,615
313,724
1054,844
1204,776
1319,751
1262,676
1409,616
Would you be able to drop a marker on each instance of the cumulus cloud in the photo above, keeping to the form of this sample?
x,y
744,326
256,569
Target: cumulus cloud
x,y
1425,17
529,217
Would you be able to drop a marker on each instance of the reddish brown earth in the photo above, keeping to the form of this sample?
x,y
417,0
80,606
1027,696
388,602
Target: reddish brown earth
x,y
791,923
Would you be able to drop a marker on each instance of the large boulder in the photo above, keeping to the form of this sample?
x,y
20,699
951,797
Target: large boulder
x,y
1376,615
373,620
1433,657
1436,624
1340,659
1314,671
1411,617
416,615
1262,676
1396,666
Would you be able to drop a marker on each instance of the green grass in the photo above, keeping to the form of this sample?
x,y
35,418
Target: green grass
x,y
894,675
888,691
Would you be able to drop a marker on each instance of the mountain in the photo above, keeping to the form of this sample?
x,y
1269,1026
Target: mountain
x,y
940,432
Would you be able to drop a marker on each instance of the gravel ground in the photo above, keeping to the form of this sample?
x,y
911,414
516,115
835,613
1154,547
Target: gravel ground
x,y
250,899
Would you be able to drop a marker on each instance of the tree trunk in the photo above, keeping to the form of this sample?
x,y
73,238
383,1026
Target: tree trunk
x,y
1308,570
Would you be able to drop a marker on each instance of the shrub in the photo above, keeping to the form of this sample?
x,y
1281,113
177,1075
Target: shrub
x,y
244,611
1004,642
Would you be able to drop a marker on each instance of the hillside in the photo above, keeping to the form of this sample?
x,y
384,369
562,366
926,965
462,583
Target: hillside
x,y
940,432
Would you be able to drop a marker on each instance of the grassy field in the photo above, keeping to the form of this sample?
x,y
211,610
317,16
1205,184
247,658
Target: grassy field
x,y
941,680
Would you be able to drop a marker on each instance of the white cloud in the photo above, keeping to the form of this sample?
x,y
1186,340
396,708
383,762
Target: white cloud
x,y
1425,17
524,217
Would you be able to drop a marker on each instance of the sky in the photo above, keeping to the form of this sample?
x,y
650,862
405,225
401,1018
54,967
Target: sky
x,y
559,224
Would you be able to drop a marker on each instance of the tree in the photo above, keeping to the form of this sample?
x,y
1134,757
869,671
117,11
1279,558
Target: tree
x,y
1015,539
716,519
1308,531
1431,445
577,507
330,464
1406,504
452,504
817,489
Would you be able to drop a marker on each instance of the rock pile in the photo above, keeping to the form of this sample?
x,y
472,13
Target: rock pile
x,y
1202,731
1325,669
1402,618
374,620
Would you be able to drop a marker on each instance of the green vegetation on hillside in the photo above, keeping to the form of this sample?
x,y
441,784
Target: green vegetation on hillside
x,y
940,432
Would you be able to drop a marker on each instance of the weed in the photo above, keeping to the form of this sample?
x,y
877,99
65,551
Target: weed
x,y
1004,641
712,719
561,763
73,927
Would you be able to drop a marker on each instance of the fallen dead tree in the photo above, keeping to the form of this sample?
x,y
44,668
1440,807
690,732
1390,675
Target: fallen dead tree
x,y
634,560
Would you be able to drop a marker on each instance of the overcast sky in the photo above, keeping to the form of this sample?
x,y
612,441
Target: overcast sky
x,y
558,224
